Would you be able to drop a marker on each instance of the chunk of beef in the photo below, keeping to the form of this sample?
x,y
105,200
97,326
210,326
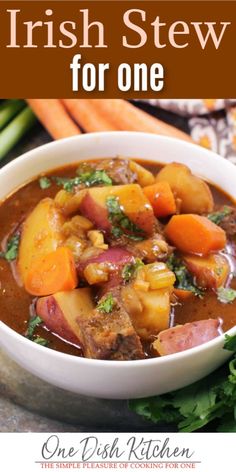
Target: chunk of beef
x,y
73,316
228,223
118,170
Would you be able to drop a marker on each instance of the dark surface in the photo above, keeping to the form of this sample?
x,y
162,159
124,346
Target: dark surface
x,y
29,404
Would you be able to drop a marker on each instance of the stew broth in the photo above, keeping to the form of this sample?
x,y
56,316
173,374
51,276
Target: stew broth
x,y
15,302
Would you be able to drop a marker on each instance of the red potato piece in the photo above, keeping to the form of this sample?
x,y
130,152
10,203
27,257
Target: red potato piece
x,y
210,272
73,317
134,203
115,257
60,311
181,338
194,194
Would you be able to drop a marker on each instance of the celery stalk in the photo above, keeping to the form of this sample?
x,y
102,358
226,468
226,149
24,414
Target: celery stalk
x,y
15,130
8,109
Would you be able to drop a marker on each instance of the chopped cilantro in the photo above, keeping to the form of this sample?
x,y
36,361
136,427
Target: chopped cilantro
x,y
129,270
184,280
107,304
226,295
33,323
88,178
96,177
12,248
218,216
44,182
211,399
41,341
230,343
121,224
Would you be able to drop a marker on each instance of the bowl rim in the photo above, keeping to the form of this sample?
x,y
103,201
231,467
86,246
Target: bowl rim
x,y
100,362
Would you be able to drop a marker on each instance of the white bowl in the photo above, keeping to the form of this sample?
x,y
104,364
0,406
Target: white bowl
x,y
116,379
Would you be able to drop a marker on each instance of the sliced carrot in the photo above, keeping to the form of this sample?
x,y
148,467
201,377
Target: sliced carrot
x,y
161,198
87,115
52,273
53,116
182,294
195,234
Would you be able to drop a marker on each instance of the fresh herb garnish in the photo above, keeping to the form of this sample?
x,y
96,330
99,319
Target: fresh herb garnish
x,y
107,304
226,295
12,248
218,216
192,407
129,270
41,341
184,280
32,325
121,224
44,183
94,177
230,343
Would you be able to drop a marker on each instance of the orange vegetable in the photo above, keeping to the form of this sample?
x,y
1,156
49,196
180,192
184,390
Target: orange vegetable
x,y
182,294
195,234
127,117
87,115
52,273
161,198
54,117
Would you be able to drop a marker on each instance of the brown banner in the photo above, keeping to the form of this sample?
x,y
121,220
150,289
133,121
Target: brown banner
x,y
180,49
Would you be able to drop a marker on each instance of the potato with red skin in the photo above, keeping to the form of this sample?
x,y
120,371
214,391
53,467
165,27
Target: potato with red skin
x,y
133,202
183,337
210,272
60,311
73,316
194,194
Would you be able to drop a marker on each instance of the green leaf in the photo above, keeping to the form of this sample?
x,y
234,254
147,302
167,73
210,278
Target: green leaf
x,y
230,343
184,279
41,341
88,178
107,304
191,408
129,270
121,224
226,295
12,248
218,216
32,325
44,183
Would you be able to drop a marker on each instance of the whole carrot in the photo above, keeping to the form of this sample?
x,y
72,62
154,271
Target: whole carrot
x,y
54,117
125,116
86,114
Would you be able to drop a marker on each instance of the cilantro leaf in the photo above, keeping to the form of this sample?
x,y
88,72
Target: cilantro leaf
x,y
230,343
218,216
226,295
194,406
41,341
32,325
44,183
12,248
107,304
184,280
87,178
121,224
129,270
